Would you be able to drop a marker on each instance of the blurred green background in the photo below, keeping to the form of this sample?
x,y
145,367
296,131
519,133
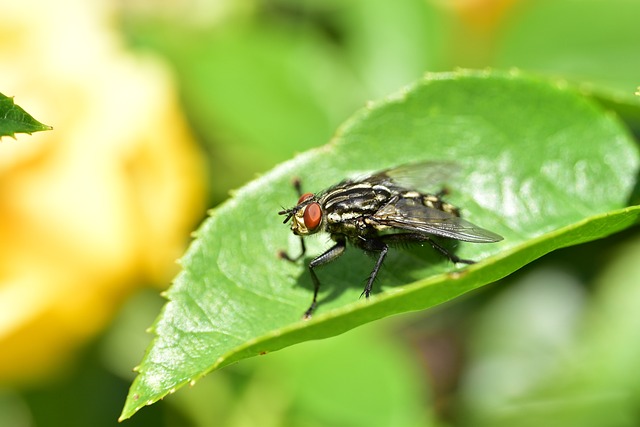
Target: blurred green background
x,y
262,80
259,81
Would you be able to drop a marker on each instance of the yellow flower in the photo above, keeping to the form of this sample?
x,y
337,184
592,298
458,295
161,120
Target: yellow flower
x,y
100,205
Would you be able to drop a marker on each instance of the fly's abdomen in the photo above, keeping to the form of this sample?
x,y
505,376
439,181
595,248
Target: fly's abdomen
x,y
433,201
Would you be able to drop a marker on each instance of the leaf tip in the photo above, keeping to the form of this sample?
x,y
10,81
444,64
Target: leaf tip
x,y
14,119
128,410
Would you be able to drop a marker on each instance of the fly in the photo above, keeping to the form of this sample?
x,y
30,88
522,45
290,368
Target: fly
x,y
376,211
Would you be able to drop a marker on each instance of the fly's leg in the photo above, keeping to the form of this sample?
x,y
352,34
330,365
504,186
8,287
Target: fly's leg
x,y
381,245
452,257
383,249
330,255
417,237
282,254
297,184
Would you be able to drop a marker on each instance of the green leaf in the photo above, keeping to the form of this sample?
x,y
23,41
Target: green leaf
x,y
539,164
14,119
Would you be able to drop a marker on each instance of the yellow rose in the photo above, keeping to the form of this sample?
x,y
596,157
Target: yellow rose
x,y
100,205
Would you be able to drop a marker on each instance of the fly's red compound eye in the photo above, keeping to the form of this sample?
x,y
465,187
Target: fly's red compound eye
x,y
304,197
312,215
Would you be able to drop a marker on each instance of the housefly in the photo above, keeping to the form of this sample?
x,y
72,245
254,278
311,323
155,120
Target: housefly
x,y
376,211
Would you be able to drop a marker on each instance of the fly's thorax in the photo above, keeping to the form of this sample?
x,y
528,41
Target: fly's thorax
x,y
350,200
349,207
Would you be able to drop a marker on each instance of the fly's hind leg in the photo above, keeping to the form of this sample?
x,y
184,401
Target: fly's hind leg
x,y
418,237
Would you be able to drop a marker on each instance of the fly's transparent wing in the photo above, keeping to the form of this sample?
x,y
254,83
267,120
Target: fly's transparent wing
x,y
419,176
413,216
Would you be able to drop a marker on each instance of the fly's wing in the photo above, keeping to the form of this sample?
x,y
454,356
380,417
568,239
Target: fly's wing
x,y
417,176
413,216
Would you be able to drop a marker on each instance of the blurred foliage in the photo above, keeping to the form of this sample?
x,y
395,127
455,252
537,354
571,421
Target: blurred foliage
x,y
262,80
555,343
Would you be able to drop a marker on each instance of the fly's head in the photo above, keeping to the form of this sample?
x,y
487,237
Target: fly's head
x,y
306,215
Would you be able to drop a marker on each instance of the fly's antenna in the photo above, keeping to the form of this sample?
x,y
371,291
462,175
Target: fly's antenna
x,y
288,213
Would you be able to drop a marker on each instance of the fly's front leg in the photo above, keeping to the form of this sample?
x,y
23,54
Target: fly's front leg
x,y
330,255
284,255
